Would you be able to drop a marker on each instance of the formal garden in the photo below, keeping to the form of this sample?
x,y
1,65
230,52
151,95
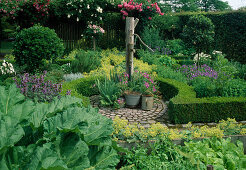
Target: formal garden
x,y
110,84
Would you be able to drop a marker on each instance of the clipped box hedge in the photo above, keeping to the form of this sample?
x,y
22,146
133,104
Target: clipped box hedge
x,y
184,107
63,61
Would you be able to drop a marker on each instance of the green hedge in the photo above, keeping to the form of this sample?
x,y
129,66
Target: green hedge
x,y
72,85
184,107
63,61
86,86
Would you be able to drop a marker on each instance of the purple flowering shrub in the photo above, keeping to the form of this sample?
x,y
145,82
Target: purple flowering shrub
x,y
194,71
37,88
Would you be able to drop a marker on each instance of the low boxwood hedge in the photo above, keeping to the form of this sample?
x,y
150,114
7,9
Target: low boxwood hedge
x,y
72,86
184,107
62,61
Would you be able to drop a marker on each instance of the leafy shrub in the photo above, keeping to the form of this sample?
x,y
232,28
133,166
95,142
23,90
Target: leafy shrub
x,y
167,60
204,87
34,44
85,61
148,57
151,36
241,70
37,88
55,73
177,46
224,67
61,134
234,88
87,86
72,76
168,72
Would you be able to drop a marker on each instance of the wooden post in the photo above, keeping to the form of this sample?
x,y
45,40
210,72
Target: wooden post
x,y
210,167
130,26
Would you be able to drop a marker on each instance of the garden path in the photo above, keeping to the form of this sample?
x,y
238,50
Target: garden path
x,y
136,115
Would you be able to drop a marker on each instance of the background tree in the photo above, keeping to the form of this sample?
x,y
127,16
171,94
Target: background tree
x,y
198,34
213,5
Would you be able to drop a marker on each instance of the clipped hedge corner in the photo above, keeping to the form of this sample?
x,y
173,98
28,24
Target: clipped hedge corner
x,y
184,107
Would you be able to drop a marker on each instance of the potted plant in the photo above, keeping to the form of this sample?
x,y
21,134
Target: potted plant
x,y
148,88
131,89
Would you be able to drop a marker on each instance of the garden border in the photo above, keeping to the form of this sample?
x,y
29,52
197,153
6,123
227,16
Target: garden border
x,y
184,107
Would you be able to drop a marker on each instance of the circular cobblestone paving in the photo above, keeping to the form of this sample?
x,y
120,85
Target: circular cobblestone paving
x,y
136,115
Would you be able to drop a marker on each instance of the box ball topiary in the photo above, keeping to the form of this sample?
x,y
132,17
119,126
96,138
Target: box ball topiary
x,y
34,44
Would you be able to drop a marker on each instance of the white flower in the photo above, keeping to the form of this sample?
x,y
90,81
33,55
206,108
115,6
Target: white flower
x,y
81,0
4,64
99,9
80,11
100,18
77,19
88,6
68,15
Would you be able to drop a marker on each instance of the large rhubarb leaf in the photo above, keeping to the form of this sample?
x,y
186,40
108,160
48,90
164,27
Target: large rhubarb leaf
x,y
45,158
10,133
9,98
105,158
13,104
42,110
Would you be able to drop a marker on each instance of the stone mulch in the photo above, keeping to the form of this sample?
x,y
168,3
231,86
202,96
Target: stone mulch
x,y
145,118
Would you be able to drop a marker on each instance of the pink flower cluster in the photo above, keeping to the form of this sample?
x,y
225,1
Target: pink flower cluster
x,y
131,6
148,82
9,7
42,7
96,29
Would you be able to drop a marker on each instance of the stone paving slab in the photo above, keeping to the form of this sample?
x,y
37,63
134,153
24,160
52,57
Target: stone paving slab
x,y
145,118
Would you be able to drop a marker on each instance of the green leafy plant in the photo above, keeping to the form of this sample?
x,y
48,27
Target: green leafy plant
x,y
234,88
167,60
34,44
59,135
109,92
220,153
204,87
85,61
151,36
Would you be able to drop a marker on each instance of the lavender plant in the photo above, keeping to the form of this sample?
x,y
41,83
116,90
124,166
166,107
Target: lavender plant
x,y
193,71
37,88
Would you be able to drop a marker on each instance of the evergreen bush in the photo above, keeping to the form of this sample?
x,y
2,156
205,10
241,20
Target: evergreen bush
x,y
34,44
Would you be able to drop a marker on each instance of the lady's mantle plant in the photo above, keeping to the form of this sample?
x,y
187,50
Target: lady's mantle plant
x,y
135,9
